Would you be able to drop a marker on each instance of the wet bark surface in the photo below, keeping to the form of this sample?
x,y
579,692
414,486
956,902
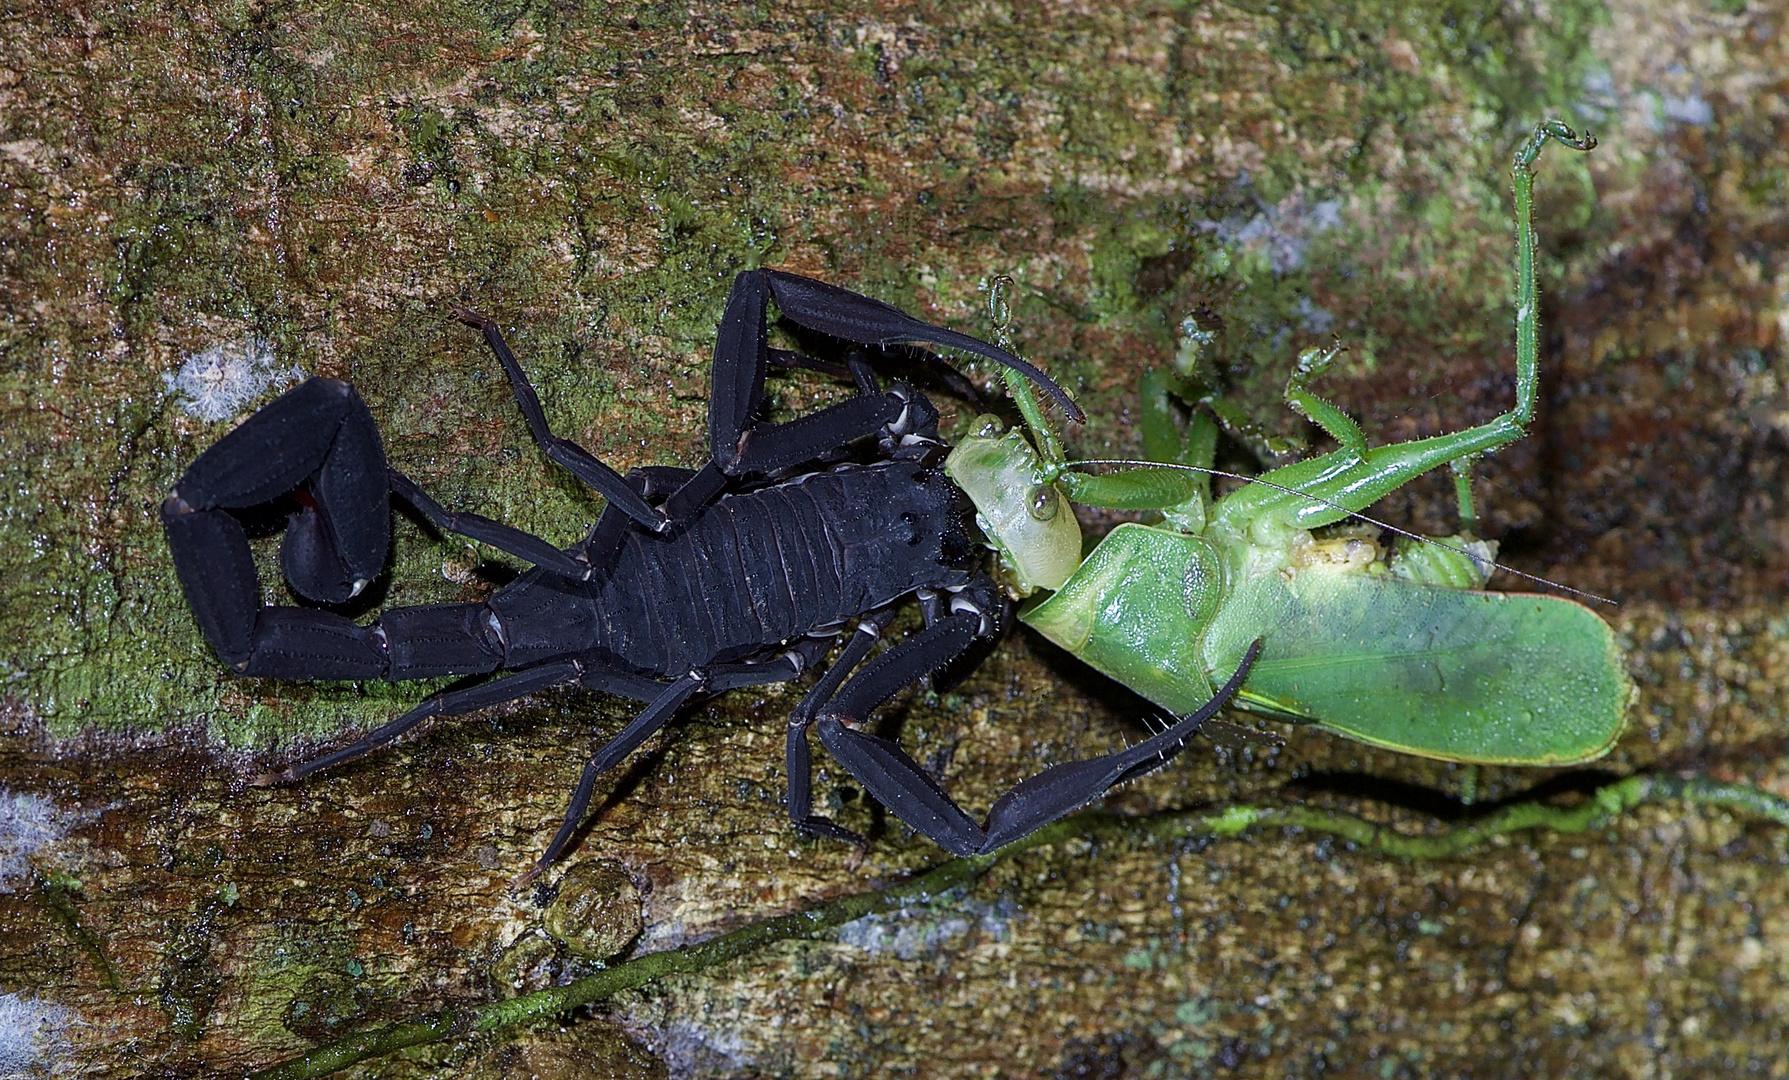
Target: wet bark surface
x,y
205,202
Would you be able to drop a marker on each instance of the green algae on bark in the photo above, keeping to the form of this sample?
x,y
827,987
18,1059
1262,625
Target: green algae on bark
x,y
327,183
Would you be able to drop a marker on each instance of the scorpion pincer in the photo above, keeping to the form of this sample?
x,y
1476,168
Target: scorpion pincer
x,y
741,573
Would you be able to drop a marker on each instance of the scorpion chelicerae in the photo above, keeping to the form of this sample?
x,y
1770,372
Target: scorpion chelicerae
x,y
741,573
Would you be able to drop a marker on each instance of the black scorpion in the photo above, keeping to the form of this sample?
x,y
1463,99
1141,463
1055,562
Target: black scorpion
x,y
743,575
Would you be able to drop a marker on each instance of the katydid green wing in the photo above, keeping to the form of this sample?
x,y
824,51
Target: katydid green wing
x,y
1493,678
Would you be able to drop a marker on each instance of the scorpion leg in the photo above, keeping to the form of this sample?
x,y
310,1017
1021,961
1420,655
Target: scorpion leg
x,y
452,703
523,545
657,713
610,484
664,700
797,757
588,672
605,537
317,439
805,653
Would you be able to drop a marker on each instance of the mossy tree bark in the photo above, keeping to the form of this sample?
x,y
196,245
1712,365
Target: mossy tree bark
x,y
309,187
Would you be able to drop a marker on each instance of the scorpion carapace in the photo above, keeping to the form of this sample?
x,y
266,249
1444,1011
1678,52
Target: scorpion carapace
x,y
741,573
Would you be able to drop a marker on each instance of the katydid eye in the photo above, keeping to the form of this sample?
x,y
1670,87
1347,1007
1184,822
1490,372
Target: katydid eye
x,y
1044,502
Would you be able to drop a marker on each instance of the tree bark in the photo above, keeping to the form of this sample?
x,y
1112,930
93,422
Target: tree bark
x,y
204,201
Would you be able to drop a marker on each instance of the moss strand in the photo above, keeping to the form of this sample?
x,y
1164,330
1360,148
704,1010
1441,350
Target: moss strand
x,y
1603,806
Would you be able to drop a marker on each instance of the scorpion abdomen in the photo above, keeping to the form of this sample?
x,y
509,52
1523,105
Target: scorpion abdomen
x,y
762,568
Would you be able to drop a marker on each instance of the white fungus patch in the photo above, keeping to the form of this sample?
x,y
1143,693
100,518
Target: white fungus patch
x,y
1282,231
216,384
927,930
691,1049
902,936
1691,109
33,1036
29,826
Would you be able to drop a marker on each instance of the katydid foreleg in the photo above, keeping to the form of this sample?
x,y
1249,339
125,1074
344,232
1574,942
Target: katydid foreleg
x,y
1351,481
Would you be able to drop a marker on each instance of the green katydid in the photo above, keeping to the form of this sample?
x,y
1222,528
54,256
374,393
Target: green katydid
x,y
1404,651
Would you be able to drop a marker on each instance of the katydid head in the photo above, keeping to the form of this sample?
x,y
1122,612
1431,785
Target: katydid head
x,y
1020,507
